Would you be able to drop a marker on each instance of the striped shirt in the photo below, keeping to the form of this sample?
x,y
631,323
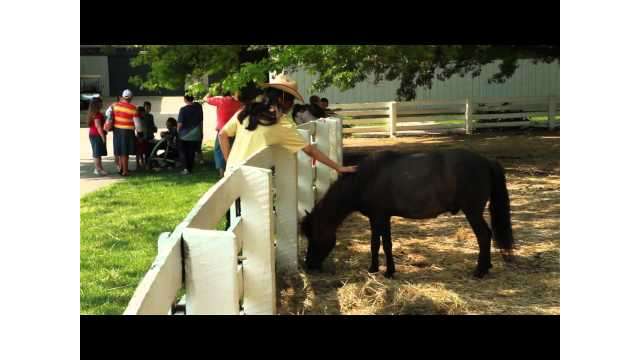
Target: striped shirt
x,y
123,113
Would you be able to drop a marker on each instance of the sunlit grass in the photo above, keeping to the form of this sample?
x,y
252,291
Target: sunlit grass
x,y
119,228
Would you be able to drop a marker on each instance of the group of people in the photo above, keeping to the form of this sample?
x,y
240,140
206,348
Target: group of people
x,y
134,132
247,121
316,109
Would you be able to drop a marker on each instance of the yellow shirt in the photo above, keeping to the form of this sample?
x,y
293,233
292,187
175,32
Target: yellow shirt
x,y
247,142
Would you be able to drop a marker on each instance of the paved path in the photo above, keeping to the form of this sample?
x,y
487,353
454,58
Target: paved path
x,y
90,182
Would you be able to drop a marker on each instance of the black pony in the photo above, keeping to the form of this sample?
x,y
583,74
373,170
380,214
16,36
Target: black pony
x,y
414,186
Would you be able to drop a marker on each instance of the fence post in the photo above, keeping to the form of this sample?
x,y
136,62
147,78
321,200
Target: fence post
x,y
393,118
334,144
468,117
212,285
323,172
306,194
286,177
551,116
339,138
258,245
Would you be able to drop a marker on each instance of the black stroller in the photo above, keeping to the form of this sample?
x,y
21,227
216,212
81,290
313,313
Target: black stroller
x,y
164,153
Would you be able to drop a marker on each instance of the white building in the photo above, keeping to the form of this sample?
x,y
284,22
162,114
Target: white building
x,y
528,80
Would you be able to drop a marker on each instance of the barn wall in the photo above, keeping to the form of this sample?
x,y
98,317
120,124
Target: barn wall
x,y
528,80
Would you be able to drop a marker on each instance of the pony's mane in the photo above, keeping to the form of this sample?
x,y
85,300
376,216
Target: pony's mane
x,y
343,196
338,202
371,165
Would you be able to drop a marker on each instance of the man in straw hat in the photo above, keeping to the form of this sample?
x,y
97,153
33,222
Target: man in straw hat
x,y
266,122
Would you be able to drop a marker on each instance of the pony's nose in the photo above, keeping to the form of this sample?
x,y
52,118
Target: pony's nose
x,y
311,266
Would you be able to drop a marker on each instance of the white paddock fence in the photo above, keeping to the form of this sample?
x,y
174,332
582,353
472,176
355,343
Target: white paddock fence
x,y
234,271
465,115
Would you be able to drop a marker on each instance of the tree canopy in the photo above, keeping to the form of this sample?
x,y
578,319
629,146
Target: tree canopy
x,y
230,67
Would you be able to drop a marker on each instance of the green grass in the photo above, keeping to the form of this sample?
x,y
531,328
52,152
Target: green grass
x,y
542,119
119,228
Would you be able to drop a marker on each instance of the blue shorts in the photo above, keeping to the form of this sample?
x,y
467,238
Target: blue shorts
x,y
124,142
98,147
217,155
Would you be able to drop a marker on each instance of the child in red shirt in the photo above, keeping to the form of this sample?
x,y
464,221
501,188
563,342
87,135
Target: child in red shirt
x,y
97,136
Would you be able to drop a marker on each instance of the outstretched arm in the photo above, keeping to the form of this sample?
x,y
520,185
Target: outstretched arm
x,y
318,155
99,125
225,144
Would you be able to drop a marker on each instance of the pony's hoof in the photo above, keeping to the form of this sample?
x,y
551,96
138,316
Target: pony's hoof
x,y
373,270
507,255
508,258
479,274
389,274
313,269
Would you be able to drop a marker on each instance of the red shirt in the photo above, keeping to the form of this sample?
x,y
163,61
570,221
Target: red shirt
x,y
226,107
93,131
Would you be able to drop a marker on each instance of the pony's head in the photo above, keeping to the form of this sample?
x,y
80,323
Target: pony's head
x,y
319,226
320,241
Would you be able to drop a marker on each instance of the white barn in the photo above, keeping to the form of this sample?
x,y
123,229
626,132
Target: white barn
x,y
528,80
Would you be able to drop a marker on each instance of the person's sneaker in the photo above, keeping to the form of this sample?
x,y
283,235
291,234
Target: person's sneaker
x,y
96,172
103,173
185,172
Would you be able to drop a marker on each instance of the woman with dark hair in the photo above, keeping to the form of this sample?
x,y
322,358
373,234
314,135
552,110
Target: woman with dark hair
x,y
97,135
189,131
264,123
310,112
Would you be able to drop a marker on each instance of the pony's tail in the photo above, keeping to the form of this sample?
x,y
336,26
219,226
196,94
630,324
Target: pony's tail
x,y
500,209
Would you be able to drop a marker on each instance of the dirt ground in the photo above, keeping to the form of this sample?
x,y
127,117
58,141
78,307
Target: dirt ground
x,y
435,258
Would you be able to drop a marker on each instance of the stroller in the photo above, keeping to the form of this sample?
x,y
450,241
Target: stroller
x,y
164,153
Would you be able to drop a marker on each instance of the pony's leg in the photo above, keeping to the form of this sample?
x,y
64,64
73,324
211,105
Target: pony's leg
x,y
386,246
375,245
483,235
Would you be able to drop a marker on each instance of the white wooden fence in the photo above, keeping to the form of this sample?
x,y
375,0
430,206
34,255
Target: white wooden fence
x,y
234,271
401,118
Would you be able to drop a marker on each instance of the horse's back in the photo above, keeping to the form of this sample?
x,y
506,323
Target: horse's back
x,y
425,184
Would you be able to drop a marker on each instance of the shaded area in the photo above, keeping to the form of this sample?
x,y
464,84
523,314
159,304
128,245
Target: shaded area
x,y
435,258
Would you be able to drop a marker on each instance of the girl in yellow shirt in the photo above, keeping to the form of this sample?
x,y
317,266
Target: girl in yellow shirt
x,y
264,123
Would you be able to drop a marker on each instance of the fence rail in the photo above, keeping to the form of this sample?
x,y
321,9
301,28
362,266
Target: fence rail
x,y
463,115
234,271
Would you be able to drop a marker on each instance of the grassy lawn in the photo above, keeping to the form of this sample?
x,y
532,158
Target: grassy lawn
x,y
119,228
542,119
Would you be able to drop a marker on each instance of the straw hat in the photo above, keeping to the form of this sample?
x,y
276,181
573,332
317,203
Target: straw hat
x,y
284,83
